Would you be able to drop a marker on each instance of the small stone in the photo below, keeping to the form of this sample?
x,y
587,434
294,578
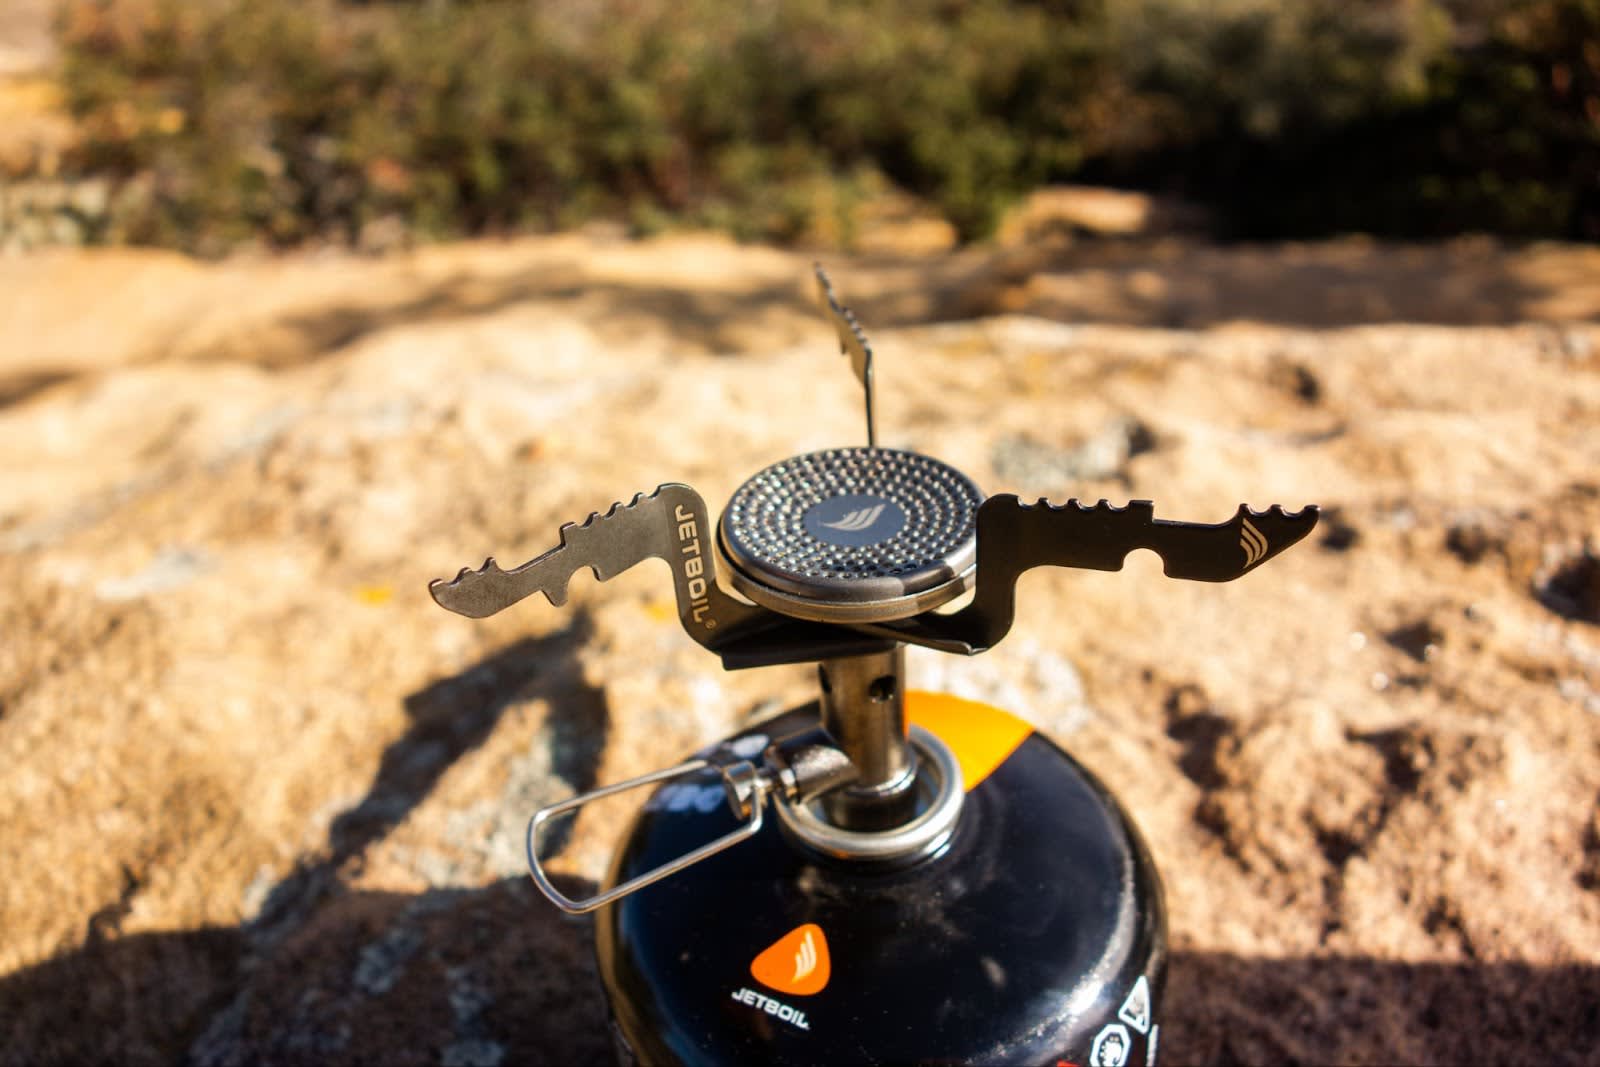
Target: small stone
x,y
1338,533
1022,460
1469,539
91,199
1571,587
1296,380
473,1052
1419,639
383,962
172,568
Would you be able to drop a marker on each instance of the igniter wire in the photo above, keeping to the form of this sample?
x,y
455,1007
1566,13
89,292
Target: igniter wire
x,y
747,829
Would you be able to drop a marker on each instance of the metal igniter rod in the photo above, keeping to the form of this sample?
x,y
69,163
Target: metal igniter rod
x,y
852,343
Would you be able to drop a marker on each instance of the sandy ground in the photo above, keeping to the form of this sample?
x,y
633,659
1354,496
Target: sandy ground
x,y
262,801
26,46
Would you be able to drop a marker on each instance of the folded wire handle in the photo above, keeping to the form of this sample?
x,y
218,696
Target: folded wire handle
x,y
747,789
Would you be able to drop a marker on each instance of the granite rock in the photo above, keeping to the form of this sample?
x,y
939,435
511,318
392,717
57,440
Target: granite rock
x,y
262,800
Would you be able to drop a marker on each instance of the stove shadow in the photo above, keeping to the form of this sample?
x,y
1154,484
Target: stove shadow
x,y
498,975
1227,1009
494,974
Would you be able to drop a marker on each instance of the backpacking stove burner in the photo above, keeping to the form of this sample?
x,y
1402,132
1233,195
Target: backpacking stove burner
x,y
852,535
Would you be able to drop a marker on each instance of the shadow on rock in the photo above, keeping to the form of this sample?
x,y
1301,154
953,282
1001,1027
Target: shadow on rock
x,y
124,1000
480,976
453,716
1130,282
483,976
324,973
1229,1009
18,388
711,320
450,718
1194,285
494,974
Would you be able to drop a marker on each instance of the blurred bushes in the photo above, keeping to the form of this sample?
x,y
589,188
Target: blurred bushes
x,y
283,121
1406,117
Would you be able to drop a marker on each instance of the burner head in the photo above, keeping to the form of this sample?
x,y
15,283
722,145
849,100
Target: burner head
x,y
852,535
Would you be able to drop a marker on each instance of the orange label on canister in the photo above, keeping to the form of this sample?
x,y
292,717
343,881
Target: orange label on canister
x,y
980,736
797,963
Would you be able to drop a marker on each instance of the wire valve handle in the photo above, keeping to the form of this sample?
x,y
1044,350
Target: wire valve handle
x,y
753,804
796,769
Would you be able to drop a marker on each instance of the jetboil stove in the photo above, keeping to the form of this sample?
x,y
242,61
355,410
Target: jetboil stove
x,y
881,875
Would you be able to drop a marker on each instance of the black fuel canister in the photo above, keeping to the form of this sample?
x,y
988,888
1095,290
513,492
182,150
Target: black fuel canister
x,y
1037,934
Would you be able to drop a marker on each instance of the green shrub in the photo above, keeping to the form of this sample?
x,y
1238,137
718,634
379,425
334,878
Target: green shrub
x,y
285,121
1401,118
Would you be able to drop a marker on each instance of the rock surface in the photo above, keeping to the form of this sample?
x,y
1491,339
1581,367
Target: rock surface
x,y
262,801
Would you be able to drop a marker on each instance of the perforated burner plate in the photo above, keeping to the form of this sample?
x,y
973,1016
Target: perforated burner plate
x,y
852,534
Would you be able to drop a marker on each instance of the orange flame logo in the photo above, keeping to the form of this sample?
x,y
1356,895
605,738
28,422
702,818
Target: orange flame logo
x,y
797,963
